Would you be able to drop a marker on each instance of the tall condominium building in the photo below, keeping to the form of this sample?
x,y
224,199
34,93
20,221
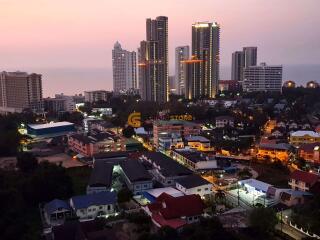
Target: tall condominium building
x,y
250,56
182,54
262,78
153,61
124,65
96,96
203,68
241,59
237,66
19,91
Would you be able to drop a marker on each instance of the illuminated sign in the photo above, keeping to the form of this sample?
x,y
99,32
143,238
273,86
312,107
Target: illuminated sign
x,y
186,117
134,119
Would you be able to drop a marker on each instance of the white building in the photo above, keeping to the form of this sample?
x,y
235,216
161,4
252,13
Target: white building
x,y
262,78
93,205
182,54
95,96
124,65
194,184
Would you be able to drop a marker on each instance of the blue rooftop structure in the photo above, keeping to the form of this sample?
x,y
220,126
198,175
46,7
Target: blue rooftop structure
x,y
101,198
55,205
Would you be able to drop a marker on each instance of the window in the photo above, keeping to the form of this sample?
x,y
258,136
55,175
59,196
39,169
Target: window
x,y
199,189
109,207
206,189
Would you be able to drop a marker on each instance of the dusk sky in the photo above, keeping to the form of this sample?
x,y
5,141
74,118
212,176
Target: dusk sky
x,y
81,33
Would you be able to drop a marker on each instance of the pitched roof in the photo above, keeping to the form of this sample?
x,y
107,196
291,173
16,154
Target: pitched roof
x,y
56,204
175,207
306,177
192,181
310,147
135,171
168,167
302,133
101,174
277,146
101,198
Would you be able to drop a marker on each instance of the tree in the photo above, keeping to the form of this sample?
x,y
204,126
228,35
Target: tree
x,y
128,132
263,219
26,162
124,195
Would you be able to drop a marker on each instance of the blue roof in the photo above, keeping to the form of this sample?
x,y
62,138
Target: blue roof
x,y
101,198
55,204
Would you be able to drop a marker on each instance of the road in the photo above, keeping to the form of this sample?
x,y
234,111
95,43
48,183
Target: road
x,y
290,231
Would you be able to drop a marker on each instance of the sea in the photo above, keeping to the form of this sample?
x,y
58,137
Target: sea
x,y
78,80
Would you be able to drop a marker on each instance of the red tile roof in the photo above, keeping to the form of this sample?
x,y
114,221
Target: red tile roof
x,y
174,223
306,177
176,207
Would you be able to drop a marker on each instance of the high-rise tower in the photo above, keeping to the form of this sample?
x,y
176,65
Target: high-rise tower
x,y
153,61
181,54
124,66
203,72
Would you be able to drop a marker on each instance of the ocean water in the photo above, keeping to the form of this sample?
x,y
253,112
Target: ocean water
x,y
77,80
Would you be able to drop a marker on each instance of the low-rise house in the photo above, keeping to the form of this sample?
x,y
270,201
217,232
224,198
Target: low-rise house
x,y
94,205
199,143
301,137
136,176
56,212
278,132
223,121
194,160
279,151
164,169
175,212
100,178
194,184
292,197
310,152
303,181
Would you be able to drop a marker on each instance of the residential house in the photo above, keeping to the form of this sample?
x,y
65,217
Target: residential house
x,y
301,137
94,205
175,212
280,151
100,178
194,184
303,181
56,212
194,160
310,152
136,176
293,197
164,169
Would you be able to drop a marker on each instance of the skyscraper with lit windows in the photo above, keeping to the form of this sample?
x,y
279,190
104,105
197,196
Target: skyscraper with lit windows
x,y
153,61
202,74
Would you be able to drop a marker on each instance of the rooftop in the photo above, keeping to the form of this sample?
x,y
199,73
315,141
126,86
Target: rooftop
x,y
56,204
277,146
192,181
135,171
259,185
101,174
175,122
197,139
191,155
306,177
50,125
168,167
101,198
302,133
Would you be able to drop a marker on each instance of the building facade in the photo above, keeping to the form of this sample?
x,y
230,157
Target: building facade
x,y
124,66
153,61
181,54
262,78
20,91
206,47
304,137
96,96
250,56
238,61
